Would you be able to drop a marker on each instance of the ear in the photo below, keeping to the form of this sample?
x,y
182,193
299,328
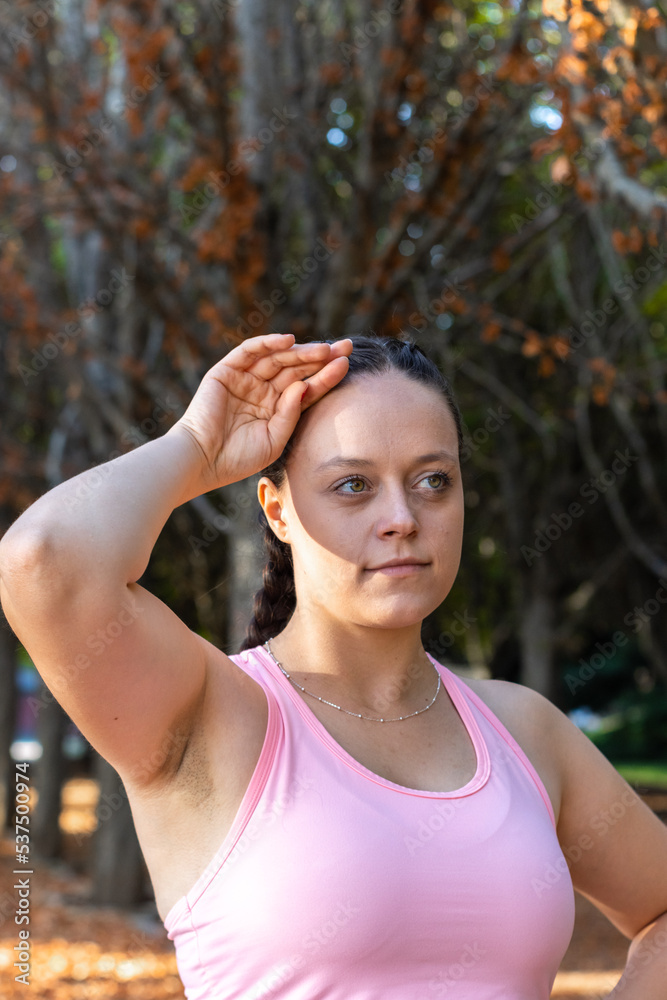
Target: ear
x,y
272,505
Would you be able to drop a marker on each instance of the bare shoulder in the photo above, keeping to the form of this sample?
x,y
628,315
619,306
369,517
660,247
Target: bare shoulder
x,y
518,707
534,722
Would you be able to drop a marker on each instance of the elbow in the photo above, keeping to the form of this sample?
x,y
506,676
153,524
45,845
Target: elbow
x,y
28,558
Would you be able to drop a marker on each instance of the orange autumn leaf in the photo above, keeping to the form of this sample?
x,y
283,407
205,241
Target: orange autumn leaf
x,y
557,9
332,73
196,173
652,113
561,169
541,147
597,364
141,227
572,68
619,241
560,347
546,367
635,239
629,31
459,306
532,345
490,332
585,189
500,260
632,92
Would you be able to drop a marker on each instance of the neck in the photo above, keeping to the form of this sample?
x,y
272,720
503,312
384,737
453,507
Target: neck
x,y
369,670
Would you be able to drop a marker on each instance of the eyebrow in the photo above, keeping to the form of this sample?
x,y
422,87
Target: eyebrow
x,y
355,463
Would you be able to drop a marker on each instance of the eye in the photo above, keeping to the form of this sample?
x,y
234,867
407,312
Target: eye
x,y
348,482
444,477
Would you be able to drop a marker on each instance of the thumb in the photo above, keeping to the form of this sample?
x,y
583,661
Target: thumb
x,y
286,416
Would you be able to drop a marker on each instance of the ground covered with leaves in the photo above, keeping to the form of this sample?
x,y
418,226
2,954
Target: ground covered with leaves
x,y
85,952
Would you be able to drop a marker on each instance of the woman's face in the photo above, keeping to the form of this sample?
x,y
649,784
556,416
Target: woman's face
x,y
373,476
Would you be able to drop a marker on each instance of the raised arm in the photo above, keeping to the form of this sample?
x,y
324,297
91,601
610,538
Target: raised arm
x,y
125,668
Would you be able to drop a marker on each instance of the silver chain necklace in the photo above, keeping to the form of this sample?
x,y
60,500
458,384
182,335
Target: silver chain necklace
x,y
357,715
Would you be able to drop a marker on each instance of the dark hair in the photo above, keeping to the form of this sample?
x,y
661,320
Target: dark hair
x,y
275,601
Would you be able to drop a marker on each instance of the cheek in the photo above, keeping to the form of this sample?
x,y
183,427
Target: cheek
x,y
331,537
329,548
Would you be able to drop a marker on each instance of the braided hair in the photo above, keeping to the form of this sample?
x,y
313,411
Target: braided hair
x,y
275,601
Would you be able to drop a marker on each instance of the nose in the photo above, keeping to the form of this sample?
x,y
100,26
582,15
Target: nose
x,y
396,516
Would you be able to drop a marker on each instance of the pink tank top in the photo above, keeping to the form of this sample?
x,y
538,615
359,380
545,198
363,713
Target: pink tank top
x,y
336,884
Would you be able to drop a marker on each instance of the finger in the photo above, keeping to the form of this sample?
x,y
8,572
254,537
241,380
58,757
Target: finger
x,y
284,367
341,347
322,381
266,356
296,373
300,369
287,413
246,354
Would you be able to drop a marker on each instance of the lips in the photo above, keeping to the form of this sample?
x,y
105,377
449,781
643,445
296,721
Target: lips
x,y
400,562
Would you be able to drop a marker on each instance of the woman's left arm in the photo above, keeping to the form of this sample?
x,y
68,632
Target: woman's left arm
x,y
621,854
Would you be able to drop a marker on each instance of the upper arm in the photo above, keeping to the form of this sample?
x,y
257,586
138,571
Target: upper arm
x,y
615,844
129,673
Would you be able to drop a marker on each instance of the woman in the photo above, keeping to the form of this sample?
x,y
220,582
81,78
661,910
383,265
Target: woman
x,y
329,813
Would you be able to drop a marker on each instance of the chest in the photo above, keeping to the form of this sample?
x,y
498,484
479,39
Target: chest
x,y
339,875
430,752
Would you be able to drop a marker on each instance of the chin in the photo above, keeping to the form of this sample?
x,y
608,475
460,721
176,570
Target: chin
x,y
397,617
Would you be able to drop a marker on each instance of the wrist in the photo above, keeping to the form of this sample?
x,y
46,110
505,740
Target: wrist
x,y
197,475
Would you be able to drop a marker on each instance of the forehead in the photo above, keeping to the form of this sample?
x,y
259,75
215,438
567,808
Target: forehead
x,y
376,415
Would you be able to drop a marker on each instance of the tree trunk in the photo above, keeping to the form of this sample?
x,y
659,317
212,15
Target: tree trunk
x,y
7,723
118,865
536,635
50,776
246,556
